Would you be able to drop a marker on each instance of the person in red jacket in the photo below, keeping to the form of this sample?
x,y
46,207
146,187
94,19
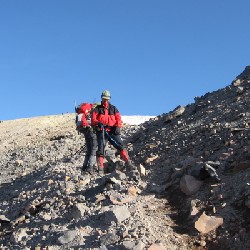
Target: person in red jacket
x,y
107,120
83,125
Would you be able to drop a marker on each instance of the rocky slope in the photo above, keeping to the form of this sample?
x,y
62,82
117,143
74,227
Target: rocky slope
x,y
173,201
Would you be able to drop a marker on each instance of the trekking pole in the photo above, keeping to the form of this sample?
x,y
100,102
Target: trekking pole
x,y
112,139
108,135
75,105
79,150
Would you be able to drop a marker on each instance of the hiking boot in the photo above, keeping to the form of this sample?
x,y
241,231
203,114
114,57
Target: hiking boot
x,y
87,169
84,167
90,170
83,170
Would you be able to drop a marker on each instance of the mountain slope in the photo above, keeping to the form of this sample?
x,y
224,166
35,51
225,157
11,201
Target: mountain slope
x,y
46,202
213,130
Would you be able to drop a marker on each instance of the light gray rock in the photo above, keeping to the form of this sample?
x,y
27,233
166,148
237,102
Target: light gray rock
x,y
118,214
67,236
132,245
109,238
189,185
19,235
79,210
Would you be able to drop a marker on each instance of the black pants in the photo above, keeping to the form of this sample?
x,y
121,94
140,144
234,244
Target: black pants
x,y
103,137
91,147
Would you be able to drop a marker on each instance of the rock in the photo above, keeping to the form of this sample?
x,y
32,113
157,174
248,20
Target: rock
x,y
122,231
177,112
240,90
3,218
156,247
118,199
67,236
139,245
189,185
109,238
132,245
102,248
118,214
19,162
79,210
194,211
99,198
203,243
53,248
19,235
46,217
236,82
132,191
206,223
142,170
113,180
127,245
151,159
19,219
85,181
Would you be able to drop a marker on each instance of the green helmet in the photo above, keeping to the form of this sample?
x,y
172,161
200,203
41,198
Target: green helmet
x,y
106,95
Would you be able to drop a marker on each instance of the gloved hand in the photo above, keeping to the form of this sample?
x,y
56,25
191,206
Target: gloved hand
x,y
100,124
117,131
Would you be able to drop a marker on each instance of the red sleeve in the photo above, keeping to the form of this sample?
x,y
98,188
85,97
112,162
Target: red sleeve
x,y
118,119
94,120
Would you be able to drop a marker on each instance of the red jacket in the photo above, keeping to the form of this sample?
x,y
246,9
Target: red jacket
x,y
108,115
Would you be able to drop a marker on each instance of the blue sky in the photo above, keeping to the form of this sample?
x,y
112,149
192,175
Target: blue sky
x,y
152,55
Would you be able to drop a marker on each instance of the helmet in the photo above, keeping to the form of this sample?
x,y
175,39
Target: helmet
x,y
106,95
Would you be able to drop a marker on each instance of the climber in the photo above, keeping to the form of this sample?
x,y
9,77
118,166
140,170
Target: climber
x,y
107,120
83,125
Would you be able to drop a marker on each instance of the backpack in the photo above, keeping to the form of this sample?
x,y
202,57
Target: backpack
x,y
83,118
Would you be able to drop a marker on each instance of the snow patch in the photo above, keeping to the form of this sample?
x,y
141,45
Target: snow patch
x,y
136,119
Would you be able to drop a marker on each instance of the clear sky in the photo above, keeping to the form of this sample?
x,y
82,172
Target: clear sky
x,y
152,55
